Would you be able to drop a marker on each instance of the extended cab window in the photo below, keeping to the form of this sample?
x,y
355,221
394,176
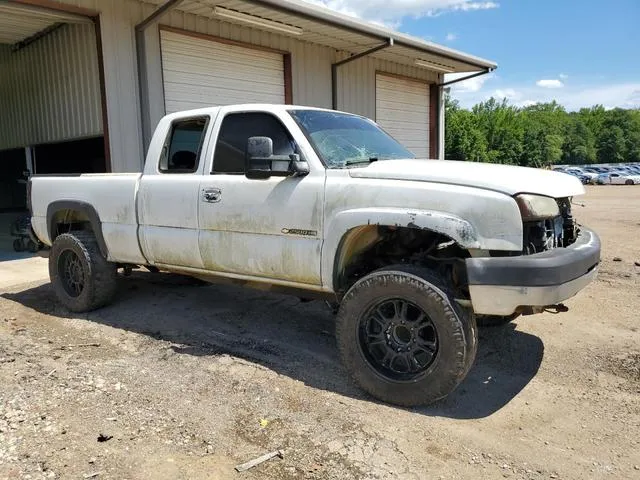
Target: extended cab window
x,y
181,151
231,149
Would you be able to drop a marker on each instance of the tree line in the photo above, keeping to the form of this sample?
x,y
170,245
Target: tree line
x,y
540,135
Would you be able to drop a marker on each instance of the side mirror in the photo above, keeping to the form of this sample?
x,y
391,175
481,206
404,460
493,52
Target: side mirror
x,y
262,163
298,168
259,147
258,159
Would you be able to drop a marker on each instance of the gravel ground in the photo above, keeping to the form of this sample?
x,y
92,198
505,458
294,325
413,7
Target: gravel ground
x,y
178,381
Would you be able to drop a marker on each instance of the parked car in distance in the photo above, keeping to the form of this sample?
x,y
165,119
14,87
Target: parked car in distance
x,y
580,173
596,170
620,178
584,179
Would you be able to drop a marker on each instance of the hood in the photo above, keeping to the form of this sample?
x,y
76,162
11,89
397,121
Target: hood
x,y
500,178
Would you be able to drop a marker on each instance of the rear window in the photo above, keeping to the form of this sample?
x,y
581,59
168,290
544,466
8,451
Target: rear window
x,y
181,152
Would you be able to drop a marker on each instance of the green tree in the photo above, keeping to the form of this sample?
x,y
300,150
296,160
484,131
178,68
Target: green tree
x,y
579,146
503,130
611,145
463,139
541,135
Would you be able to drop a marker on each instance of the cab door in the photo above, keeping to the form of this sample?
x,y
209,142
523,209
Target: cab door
x,y
168,199
269,227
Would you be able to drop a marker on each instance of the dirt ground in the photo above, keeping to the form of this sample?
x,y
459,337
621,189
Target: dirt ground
x,y
185,382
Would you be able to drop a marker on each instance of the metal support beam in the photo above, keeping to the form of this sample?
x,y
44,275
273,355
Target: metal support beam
x,y
442,86
159,12
142,70
334,68
36,36
468,77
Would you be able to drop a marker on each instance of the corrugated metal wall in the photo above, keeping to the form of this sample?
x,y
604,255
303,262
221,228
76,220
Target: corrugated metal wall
x,y
311,64
5,96
198,72
311,72
117,21
52,89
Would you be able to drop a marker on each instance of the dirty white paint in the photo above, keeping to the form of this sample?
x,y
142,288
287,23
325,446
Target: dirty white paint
x,y
477,218
112,196
288,229
168,211
121,242
248,229
504,300
171,246
500,178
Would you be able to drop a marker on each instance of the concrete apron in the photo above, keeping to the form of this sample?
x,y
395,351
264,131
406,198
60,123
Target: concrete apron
x,y
27,270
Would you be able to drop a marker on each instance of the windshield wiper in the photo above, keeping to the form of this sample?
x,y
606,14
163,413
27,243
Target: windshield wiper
x,y
358,161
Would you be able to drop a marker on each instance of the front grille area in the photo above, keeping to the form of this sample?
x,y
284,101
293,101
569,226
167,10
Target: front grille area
x,y
542,235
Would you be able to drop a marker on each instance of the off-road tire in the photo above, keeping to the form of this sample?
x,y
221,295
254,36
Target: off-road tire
x,y
100,276
494,320
455,326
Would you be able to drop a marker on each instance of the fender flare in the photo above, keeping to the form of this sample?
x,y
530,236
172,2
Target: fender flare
x,y
454,227
80,206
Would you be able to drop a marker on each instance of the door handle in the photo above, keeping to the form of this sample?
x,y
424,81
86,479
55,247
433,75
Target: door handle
x,y
211,195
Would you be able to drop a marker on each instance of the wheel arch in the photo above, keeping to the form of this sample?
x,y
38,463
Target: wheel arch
x,y
352,232
75,211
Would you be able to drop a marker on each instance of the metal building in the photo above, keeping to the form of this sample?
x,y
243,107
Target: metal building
x,y
84,82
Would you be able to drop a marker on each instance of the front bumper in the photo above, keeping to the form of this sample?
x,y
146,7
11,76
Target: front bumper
x,y
499,285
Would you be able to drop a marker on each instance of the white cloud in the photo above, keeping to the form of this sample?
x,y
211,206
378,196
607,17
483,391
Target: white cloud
x,y
563,76
472,85
508,93
633,101
555,83
390,12
451,37
526,103
466,6
574,97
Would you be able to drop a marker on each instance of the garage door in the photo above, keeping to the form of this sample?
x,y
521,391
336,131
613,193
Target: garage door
x,y
199,72
402,109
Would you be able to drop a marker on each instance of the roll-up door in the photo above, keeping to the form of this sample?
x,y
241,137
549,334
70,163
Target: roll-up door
x,y
402,109
199,72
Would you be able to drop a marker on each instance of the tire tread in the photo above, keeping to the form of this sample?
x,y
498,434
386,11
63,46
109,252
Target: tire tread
x,y
457,317
102,275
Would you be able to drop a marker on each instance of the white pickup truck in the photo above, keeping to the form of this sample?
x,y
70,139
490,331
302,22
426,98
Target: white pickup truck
x,y
324,204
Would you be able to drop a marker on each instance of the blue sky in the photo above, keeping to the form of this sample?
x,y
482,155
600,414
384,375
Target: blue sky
x,y
579,52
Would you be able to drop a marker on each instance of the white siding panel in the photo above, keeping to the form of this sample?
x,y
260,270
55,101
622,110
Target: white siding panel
x,y
402,109
357,82
199,72
50,89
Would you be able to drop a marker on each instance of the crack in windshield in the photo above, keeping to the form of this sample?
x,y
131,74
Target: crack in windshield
x,y
343,140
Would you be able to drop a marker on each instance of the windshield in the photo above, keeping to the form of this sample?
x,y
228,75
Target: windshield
x,y
342,140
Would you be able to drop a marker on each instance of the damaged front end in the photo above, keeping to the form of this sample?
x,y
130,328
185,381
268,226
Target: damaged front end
x,y
540,235
558,259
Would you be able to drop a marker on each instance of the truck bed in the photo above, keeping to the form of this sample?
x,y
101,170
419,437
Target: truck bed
x,y
112,195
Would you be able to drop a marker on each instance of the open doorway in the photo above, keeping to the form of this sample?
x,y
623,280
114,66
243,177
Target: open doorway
x,y
52,119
